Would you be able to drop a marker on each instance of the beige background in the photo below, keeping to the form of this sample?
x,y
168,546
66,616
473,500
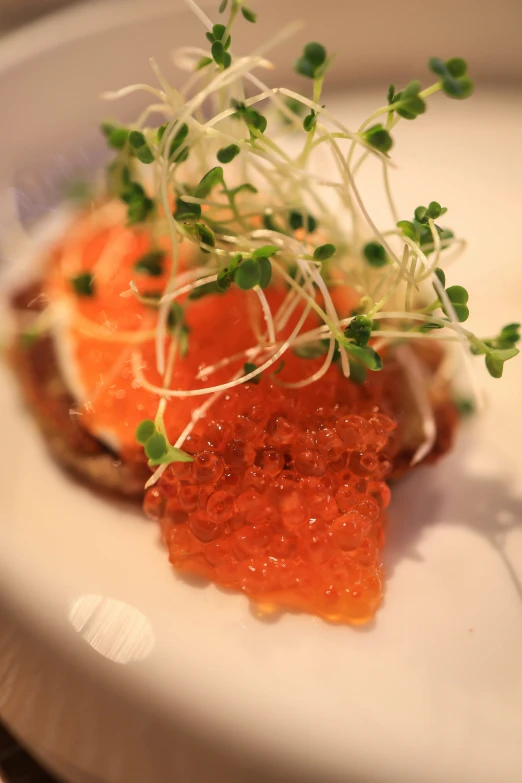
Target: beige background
x,y
403,32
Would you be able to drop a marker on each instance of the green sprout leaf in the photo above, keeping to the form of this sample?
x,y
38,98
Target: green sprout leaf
x,y
458,297
435,210
297,220
83,284
137,139
179,137
156,445
375,254
379,138
422,215
407,103
140,147
465,406
324,252
145,431
510,334
457,294
312,60
209,181
442,277
218,31
312,350
366,356
247,275
249,367
265,272
116,136
253,119
175,316
218,53
171,455
269,222
203,62
227,154
249,15
223,280
359,330
145,155
315,53
223,6
139,205
151,263
453,76
310,121
495,360
186,211
266,251
408,229
204,290
206,235
296,107
357,372
246,187
457,67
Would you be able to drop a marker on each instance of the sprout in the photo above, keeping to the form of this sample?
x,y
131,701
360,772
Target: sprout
x,y
283,222
151,263
83,284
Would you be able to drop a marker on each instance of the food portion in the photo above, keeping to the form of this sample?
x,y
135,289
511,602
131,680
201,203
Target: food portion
x,y
224,333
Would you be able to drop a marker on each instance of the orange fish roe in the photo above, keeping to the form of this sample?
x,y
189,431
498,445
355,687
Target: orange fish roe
x,y
285,499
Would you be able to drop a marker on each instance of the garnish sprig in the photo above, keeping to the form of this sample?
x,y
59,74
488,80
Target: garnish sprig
x,y
221,178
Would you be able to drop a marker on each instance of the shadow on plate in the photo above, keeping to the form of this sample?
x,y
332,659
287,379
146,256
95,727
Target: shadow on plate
x,y
446,492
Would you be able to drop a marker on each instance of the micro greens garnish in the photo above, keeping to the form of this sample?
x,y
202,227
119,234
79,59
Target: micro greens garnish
x,y
151,263
83,284
156,445
267,221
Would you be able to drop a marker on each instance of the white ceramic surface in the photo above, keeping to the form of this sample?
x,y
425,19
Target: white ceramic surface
x,y
114,670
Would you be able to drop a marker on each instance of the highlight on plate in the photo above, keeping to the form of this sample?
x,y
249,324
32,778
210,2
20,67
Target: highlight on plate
x,y
224,334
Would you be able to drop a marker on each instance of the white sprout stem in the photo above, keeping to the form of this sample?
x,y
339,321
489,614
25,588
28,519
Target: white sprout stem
x,y
437,244
248,353
409,287
418,382
316,376
154,108
114,95
201,15
183,393
366,214
391,201
267,314
291,187
286,310
169,91
332,313
462,334
395,286
106,334
310,301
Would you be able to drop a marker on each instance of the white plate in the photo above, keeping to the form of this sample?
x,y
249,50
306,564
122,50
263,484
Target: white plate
x,y
113,669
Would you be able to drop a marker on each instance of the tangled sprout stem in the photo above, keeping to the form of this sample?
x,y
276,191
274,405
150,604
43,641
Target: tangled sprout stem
x,y
217,174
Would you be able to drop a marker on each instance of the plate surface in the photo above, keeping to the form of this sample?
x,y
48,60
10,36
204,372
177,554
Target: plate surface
x,y
432,691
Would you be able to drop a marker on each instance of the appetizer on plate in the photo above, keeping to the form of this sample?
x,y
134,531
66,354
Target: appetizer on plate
x,y
224,333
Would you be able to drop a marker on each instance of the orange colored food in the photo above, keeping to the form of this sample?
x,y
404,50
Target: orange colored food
x,y
286,496
106,329
285,499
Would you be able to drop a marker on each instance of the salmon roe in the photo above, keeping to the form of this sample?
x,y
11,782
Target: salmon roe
x,y
285,499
